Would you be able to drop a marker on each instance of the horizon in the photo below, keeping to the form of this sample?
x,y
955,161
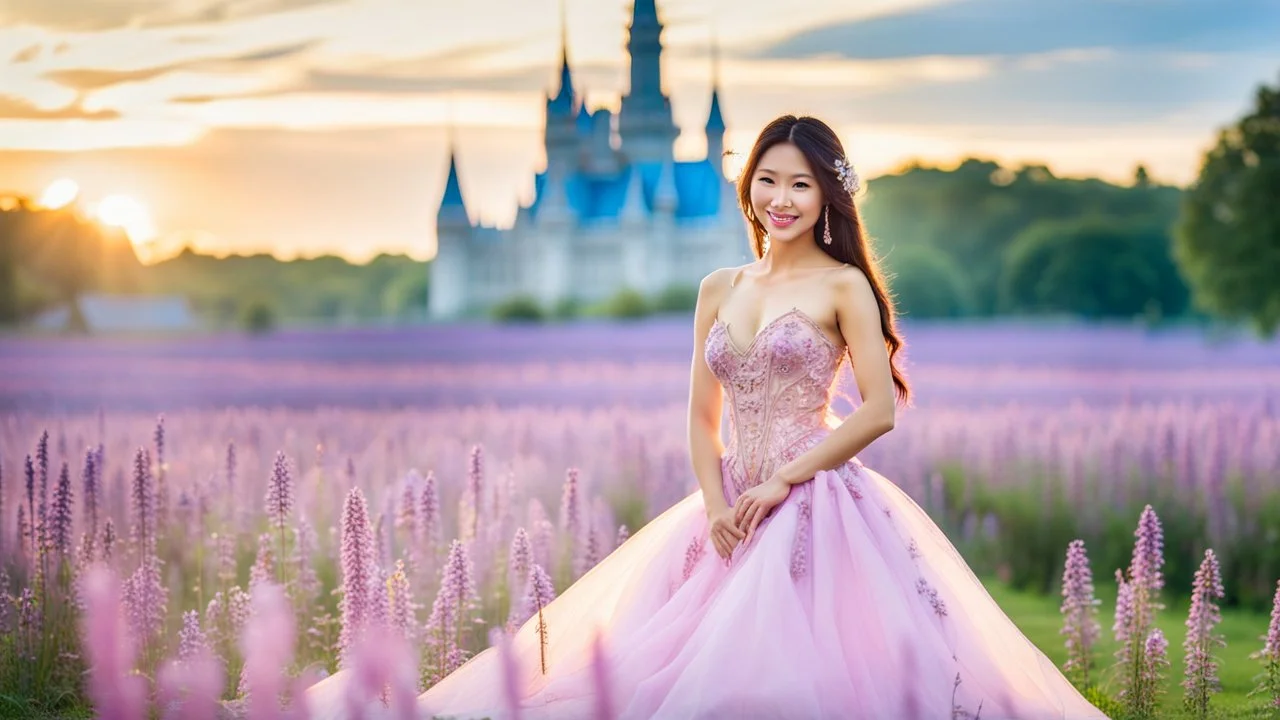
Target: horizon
x,y
225,127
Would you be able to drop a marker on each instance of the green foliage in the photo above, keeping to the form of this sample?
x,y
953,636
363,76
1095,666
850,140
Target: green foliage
x,y
1228,234
322,290
972,215
627,304
518,308
258,318
676,298
51,257
928,283
1093,267
567,308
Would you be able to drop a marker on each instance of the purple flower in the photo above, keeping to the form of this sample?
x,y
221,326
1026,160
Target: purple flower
x,y
1270,655
1153,661
401,601
539,594
267,647
519,560
264,565
1272,645
304,545
60,520
452,610
42,464
280,492
161,478
108,540
570,506
144,502
190,688
1201,680
29,537
407,513
357,570
475,479
1079,609
145,600
191,640
92,481
1148,554
116,693
623,534
231,471
429,522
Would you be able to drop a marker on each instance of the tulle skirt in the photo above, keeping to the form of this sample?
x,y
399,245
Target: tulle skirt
x,y
849,603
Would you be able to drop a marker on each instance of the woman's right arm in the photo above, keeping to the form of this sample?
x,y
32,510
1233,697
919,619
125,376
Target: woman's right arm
x,y
706,406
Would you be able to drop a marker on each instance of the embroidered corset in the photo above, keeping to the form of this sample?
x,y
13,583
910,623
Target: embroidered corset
x,y
778,391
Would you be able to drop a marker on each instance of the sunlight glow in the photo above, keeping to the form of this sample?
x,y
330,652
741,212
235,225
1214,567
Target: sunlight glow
x,y
59,193
127,213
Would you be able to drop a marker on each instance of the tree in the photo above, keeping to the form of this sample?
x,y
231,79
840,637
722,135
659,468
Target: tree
x,y
1227,239
1095,267
928,283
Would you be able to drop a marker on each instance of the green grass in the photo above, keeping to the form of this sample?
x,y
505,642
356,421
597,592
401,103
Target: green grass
x,y
1038,618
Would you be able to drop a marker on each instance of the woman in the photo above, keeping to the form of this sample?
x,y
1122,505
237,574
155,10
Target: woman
x,y
830,593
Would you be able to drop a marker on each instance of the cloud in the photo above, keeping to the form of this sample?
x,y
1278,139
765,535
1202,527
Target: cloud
x,y
89,79
16,108
26,54
1017,27
91,15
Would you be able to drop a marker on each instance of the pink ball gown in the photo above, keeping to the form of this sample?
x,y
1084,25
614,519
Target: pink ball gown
x,y
848,603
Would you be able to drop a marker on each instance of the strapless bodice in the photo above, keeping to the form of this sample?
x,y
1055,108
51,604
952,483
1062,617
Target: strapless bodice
x,y
778,390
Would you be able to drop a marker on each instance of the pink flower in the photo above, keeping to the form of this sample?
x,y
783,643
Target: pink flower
x,y
116,693
357,569
1201,669
1079,609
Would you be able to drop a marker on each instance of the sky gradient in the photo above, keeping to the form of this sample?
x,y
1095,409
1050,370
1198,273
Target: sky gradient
x,y
303,127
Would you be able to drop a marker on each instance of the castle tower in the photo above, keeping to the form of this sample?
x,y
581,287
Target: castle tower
x,y
448,271
715,120
645,122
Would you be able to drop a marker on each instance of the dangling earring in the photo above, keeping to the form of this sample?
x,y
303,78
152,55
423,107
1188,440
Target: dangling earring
x,y
826,233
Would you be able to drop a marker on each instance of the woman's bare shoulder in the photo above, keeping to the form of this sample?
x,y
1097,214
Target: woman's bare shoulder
x,y
720,280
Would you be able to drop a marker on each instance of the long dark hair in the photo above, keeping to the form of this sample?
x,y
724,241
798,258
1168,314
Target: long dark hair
x,y
849,240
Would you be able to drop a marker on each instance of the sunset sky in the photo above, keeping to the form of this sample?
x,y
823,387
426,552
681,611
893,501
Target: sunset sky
x,y
321,126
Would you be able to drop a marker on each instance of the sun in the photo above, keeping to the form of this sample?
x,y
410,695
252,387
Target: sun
x,y
128,214
59,193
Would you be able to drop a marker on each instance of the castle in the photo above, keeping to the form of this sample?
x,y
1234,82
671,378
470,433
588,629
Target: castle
x,y
612,209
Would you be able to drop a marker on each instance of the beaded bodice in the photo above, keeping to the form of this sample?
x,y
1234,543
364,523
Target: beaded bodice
x,y
778,391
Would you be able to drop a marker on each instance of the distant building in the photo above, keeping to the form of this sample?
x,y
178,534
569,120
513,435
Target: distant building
x,y
612,209
124,313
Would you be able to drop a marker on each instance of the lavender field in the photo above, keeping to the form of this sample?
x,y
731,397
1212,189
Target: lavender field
x,y
200,469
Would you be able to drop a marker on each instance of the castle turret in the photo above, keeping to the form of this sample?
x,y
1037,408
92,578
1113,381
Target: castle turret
x,y
448,270
645,121
715,119
561,131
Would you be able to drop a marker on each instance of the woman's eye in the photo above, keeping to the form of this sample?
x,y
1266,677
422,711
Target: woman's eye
x,y
802,185
766,180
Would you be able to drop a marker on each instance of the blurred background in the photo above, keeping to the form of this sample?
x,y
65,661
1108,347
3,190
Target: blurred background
x,y
447,254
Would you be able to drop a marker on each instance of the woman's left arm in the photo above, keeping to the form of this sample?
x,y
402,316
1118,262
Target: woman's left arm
x,y
858,315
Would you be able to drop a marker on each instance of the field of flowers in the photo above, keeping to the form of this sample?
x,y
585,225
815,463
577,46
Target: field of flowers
x,y
258,504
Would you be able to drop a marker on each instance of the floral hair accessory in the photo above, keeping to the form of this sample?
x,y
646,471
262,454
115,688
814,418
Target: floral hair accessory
x,y
848,176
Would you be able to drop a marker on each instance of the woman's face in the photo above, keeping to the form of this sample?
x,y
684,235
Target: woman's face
x,y
784,194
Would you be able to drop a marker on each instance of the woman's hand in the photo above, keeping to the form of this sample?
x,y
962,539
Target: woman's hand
x,y
756,504
725,536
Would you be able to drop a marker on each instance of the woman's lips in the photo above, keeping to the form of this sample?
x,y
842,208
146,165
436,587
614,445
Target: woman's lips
x,y
781,221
